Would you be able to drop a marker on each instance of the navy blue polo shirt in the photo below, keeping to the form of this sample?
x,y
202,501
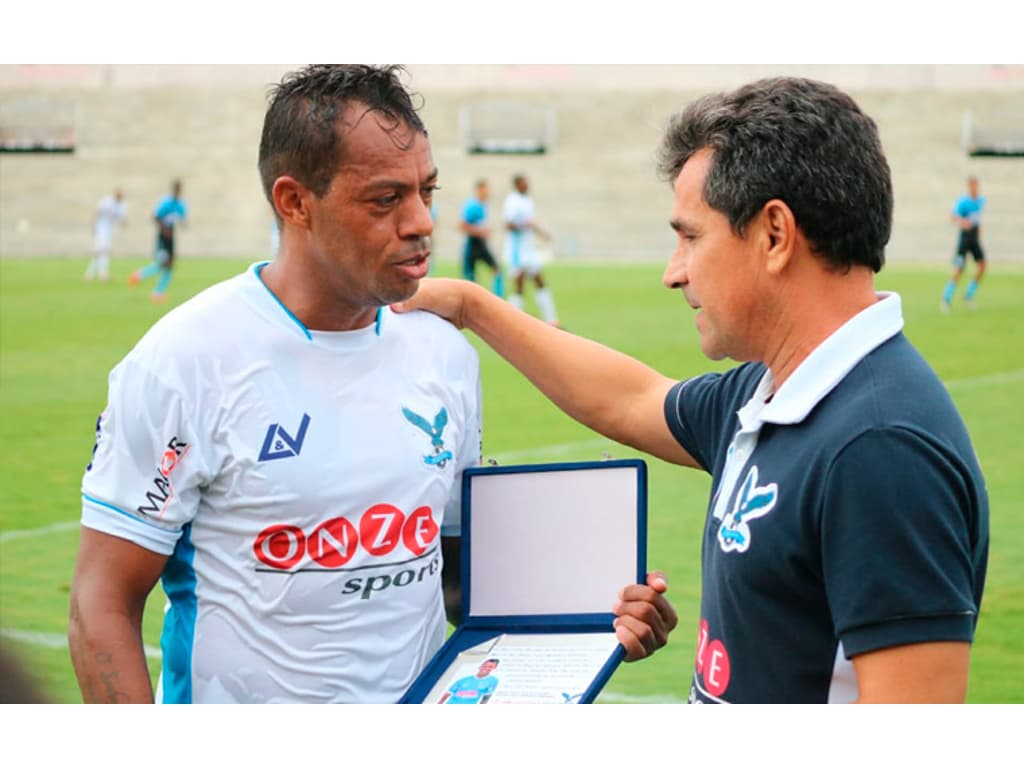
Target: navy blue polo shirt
x,y
848,513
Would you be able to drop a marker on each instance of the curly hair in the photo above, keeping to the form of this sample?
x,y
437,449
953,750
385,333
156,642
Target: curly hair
x,y
300,130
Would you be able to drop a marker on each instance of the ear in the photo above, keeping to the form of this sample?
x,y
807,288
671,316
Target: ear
x,y
291,201
780,233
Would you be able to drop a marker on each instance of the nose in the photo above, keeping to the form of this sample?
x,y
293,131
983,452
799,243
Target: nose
x,y
675,275
416,220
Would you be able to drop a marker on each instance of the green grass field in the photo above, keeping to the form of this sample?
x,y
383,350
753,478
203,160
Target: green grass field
x,y
59,337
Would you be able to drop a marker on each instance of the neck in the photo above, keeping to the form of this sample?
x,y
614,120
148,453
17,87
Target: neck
x,y
811,312
307,294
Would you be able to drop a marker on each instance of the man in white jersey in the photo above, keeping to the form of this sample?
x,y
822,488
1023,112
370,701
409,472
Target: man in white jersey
x,y
520,249
285,453
110,211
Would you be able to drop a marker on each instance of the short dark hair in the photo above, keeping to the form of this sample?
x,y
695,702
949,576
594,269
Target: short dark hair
x,y
300,129
801,141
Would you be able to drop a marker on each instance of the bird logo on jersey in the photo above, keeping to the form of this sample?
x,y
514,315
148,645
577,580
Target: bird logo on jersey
x,y
441,455
751,502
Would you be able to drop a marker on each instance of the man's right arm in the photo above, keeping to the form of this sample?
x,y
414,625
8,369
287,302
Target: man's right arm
x,y
113,577
608,391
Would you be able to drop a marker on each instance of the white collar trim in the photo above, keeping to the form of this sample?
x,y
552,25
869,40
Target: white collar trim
x,y
825,367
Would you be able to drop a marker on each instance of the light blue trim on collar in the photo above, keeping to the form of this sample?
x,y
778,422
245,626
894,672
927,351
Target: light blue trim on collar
x,y
257,268
377,322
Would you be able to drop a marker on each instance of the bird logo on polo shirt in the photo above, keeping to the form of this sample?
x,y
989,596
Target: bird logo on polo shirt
x,y
752,502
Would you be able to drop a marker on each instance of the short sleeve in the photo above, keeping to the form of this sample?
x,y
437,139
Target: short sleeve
x,y
148,466
701,412
472,212
901,555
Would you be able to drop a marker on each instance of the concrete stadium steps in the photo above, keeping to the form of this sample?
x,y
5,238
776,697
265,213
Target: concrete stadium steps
x,y
596,188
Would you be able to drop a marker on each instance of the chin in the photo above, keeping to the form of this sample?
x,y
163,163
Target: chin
x,y
401,294
711,352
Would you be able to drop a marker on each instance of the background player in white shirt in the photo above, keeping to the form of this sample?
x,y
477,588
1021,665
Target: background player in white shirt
x,y
521,255
285,453
110,211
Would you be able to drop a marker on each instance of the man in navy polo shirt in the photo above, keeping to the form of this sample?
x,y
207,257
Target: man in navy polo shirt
x,y
846,540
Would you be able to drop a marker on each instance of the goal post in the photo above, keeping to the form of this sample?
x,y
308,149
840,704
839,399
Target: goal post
x,y
516,128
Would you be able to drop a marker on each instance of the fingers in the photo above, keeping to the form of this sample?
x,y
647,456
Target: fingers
x,y
440,296
644,617
635,638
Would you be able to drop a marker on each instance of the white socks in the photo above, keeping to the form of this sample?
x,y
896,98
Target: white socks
x,y
545,302
99,266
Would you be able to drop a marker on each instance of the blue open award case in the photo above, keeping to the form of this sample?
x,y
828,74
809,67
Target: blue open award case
x,y
545,550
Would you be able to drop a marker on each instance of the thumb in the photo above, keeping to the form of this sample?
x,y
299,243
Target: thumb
x,y
657,581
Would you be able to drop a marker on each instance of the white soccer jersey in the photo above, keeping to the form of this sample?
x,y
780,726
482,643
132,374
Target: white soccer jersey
x,y
299,481
520,252
109,212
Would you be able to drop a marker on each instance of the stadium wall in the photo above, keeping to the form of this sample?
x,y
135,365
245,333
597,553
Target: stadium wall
x,y
138,127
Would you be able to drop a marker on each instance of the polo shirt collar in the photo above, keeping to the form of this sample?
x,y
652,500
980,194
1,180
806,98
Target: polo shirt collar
x,y
825,367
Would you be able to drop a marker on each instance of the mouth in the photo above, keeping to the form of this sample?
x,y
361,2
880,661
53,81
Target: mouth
x,y
414,267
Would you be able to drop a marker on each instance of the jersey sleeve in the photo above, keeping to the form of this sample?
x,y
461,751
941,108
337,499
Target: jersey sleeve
x,y
511,211
148,465
470,449
472,212
899,536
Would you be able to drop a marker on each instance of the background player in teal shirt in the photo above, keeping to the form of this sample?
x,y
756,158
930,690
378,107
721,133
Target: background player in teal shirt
x,y
967,216
169,212
474,225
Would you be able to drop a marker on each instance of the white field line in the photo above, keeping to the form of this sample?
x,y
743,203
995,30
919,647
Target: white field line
x,y
985,381
33,532
545,451
53,640
610,697
560,449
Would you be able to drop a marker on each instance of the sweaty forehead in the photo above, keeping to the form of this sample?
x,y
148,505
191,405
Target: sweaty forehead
x,y
358,120
374,146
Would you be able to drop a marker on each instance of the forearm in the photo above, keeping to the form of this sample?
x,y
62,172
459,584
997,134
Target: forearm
x,y
606,390
108,656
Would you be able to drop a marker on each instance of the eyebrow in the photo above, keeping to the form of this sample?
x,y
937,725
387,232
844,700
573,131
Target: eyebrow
x,y
681,226
400,185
